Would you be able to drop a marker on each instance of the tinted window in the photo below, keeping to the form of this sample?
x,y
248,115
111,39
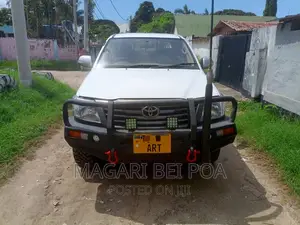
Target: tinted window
x,y
147,52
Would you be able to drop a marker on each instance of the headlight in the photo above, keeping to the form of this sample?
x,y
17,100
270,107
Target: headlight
x,y
217,110
86,113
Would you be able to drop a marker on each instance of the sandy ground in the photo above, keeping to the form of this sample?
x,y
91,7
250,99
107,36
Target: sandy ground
x,y
47,190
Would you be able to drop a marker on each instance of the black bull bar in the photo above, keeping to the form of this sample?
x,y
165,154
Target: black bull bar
x,y
121,104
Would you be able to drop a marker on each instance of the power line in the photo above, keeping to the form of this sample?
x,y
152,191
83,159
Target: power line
x,y
99,9
116,10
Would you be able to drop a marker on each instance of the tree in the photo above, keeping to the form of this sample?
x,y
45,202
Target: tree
x,y
5,17
100,30
163,23
270,8
206,12
51,12
235,12
143,15
185,10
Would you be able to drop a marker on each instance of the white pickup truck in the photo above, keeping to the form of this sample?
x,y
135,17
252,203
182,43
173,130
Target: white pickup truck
x,y
143,100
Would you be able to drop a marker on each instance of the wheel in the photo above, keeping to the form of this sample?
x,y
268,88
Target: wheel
x,y
83,159
85,163
215,155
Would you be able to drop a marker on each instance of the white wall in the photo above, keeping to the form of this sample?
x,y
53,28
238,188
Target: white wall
x,y
201,48
282,79
256,59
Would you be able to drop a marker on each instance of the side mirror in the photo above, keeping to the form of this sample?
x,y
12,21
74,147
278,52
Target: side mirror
x,y
204,62
85,61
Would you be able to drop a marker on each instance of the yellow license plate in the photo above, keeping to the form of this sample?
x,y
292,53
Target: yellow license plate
x,y
151,144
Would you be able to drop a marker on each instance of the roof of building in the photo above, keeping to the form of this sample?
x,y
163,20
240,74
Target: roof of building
x,y
199,25
7,29
290,18
146,35
242,25
123,27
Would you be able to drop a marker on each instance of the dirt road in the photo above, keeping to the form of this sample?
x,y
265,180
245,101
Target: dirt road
x,y
46,191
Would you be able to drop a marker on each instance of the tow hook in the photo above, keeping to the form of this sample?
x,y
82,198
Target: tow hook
x,y
192,152
112,156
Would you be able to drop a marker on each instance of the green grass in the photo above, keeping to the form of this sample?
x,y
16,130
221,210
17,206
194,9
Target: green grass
x,y
27,113
266,130
44,65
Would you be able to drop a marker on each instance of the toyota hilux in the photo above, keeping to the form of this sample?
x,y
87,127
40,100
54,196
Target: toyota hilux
x,y
143,100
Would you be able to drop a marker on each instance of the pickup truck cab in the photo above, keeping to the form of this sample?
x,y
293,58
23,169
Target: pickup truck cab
x,y
143,100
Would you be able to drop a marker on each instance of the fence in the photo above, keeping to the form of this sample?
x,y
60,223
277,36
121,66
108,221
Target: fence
x,y
39,49
274,66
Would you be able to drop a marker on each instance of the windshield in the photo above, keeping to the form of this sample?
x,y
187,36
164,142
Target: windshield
x,y
147,53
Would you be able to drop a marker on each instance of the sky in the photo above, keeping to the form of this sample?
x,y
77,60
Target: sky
x,y
129,7
126,8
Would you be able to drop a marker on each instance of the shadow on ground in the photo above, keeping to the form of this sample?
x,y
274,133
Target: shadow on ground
x,y
236,198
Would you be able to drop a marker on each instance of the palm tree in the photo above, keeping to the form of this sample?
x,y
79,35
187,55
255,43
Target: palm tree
x,y
185,10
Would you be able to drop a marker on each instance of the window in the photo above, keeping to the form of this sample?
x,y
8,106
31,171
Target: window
x,y
146,53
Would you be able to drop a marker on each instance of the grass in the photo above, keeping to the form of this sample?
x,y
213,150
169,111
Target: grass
x,y
27,113
266,130
44,65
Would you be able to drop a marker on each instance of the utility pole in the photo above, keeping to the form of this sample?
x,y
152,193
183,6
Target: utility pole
x,y
20,33
75,23
86,25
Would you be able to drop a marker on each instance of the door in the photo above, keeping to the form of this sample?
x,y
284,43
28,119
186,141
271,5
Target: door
x,y
231,60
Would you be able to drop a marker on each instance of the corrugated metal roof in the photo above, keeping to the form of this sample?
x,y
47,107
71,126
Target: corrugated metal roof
x,y
7,29
290,18
247,26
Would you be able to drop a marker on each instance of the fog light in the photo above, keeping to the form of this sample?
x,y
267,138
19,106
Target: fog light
x,y
130,124
172,123
96,138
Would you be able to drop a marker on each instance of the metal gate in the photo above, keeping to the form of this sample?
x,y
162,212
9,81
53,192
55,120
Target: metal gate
x,y
231,60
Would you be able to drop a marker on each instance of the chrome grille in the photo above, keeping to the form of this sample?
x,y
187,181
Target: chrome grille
x,y
159,122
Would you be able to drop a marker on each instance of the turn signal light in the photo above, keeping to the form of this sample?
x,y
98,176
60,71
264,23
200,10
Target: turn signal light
x,y
225,131
78,135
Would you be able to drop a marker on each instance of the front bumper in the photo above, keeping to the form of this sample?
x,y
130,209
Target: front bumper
x,y
122,140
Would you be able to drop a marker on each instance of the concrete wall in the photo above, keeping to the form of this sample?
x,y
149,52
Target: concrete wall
x,y
256,60
201,47
282,80
39,49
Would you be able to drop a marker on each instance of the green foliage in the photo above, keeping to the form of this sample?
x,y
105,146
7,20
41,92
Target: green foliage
x,y
270,8
163,23
102,29
142,16
5,16
44,65
278,136
27,113
235,12
148,20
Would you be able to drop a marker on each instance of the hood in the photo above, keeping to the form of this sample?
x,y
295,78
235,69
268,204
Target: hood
x,y
122,83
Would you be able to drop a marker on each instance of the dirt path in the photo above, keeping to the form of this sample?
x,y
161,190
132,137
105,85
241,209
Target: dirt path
x,y
47,191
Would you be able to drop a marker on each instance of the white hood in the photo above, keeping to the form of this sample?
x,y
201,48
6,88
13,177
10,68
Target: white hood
x,y
120,83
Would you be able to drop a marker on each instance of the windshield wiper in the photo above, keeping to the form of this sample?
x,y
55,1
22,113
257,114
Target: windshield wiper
x,y
178,65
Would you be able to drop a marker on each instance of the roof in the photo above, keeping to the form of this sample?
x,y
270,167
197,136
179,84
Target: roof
x,y
123,27
7,29
199,25
242,25
290,18
146,35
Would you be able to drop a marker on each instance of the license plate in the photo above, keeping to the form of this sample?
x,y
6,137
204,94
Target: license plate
x,y
151,144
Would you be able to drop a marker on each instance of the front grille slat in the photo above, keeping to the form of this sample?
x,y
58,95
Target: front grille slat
x,y
148,123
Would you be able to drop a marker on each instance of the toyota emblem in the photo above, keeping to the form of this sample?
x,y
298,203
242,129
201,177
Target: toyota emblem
x,y
150,111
